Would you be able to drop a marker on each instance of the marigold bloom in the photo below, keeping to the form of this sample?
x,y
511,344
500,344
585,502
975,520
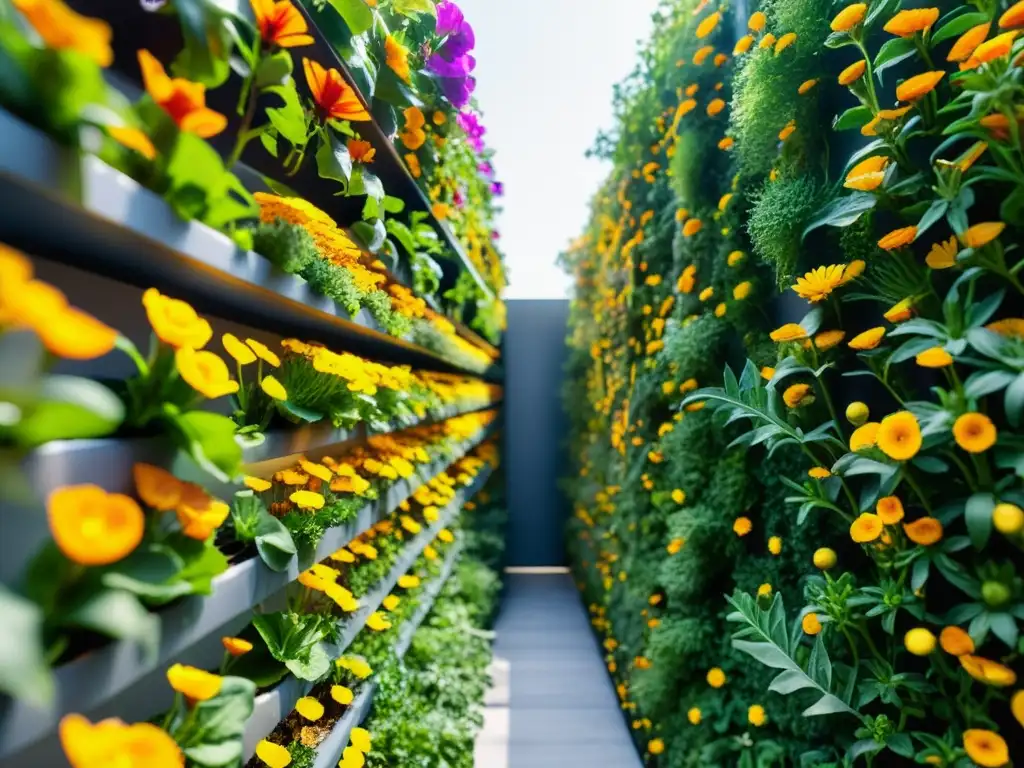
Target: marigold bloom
x,y
942,254
852,73
716,677
656,746
789,332
236,646
986,748
397,57
1008,518
890,510
867,174
817,284
111,742
982,234
307,500
797,395
869,339
708,24
787,131
825,558
956,642
917,86
919,641
756,715
757,21
924,531
742,45
92,527
175,322
692,227
864,436
974,432
899,436
742,526
157,487
899,311
908,22
988,672
715,106
849,17
1000,45
274,755
205,372
935,357
62,29
810,624
806,86
335,99
361,151
1013,16
866,528
183,100
199,514
281,23
967,42
194,684
898,238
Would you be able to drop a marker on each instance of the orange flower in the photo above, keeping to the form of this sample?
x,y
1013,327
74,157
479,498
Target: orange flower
x,y
934,357
942,254
361,151
784,42
194,684
849,17
707,25
988,672
111,742
199,514
787,131
157,487
742,45
692,227
869,339
413,163
75,335
62,29
1013,17
757,21
986,748
853,72
281,23
898,238
967,42
397,58
715,106
797,395
789,332
866,528
899,311
925,531
999,45
974,432
335,99
828,339
982,234
742,526
93,527
890,510
413,136
205,372
65,331
917,86
899,436
702,54
182,99
806,86
867,174
956,642
175,322
907,23
236,646
133,139
811,624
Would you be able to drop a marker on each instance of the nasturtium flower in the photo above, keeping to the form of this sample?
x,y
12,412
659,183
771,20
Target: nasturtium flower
x,y
919,641
175,322
868,174
693,715
708,24
655,746
857,413
316,470
133,139
158,488
92,527
898,238
205,372
742,526
908,22
1013,16
194,684
806,86
974,432
899,436
335,99
889,509
361,151
900,311
849,17
810,624
824,558
917,86
986,748
716,677
998,46
817,284
852,73
797,395
982,234
789,332
934,357
967,42
1008,519
273,755
183,100
309,708
62,29
742,45
236,646
868,339
784,42
924,531
199,514
110,742
864,436
942,254
281,23
956,642
756,715
757,21
866,528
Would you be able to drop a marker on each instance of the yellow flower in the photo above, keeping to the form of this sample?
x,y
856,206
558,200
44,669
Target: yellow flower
x,y
867,174
775,545
899,436
806,86
274,755
1008,518
264,353
907,23
342,694
925,531
133,139
204,372
706,294
734,258
1013,16
742,45
817,284
1000,45
784,42
723,201
241,353
789,332
112,743
678,496
741,291
828,339
919,641
692,227
273,388
175,322
982,234
767,373
316,470
988,672
1017,707
869,339
693,715
956,642
890,510
986,748
857,413
92,527
194,684
352,758
62,29
391,602
377,622
866,528
974,432
742,526
934,357
675,546
307,500
397,57
360,739
765,590
656,746
199,514
810,624
797,395
408,581
942,254
786,132
309,708
708,24
756,715
716,677
825,558
915,87
849,17
852,73
898,238
819,473
355,665
756,21
702,53
864,436
899,311
967,42
767,41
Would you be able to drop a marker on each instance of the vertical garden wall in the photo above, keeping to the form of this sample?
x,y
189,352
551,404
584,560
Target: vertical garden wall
x,y
796,386
249,384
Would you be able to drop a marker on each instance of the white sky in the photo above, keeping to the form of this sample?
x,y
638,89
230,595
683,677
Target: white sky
x,y
544,83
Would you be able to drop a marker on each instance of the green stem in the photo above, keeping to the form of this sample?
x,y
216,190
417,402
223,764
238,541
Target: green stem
x,y
916,488
244,134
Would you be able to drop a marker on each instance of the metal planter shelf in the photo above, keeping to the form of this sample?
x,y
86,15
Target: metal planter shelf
x,y
330,749
273,706
190,633
73,208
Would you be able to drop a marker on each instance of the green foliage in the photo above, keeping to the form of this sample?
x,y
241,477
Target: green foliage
x,y
302,756
334,282
778,216
288,246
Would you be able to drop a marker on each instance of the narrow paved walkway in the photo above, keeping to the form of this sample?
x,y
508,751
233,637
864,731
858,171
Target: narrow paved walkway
x,y
553,704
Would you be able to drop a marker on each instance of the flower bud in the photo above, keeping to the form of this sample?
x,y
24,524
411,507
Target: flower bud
x,y
919,641
1008,518
857,413
825,558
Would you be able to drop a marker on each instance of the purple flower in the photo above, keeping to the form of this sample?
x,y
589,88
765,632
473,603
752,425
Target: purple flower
x,y
459,43
452,24
498,189
458,90
449,18
486,169
442,67
495,235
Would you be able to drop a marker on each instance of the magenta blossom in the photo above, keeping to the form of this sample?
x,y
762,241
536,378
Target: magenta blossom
x,y
458,199
495,235
497,189
486,169
452,25
449,18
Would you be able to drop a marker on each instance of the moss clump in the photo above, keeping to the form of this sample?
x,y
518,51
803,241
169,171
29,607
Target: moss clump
x,y
287,246
781,211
